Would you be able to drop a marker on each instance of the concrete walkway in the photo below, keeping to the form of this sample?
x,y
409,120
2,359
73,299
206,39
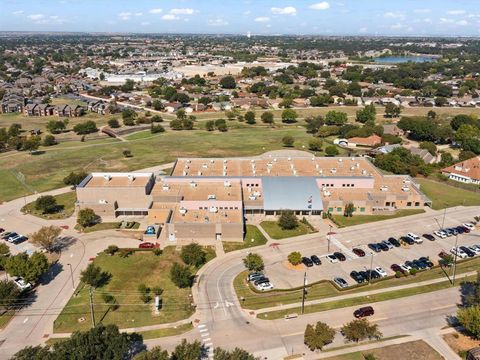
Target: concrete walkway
x,y
359,294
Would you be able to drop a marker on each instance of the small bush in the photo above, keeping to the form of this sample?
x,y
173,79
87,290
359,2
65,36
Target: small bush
x,y
413,272
111,249
124,253
157,252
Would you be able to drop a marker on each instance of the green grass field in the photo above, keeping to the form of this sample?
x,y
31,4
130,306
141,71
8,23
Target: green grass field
x,y
253,237
173,331
66,203
276,232
445,196
255,300
343,221
46,171
127,274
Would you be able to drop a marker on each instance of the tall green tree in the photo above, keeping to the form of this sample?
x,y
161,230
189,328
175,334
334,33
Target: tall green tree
x,y
193,254
181,275
253,262
360,329
316,337
469,318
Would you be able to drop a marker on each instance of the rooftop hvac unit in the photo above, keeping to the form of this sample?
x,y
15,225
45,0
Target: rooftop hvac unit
x,y
189,161
224,161
333,171
185,173
193,184
364,172
224,173
102,201
320,171
212,161
352,168
289,159
340,160
313,159
269,165
327,193
183,211
213,209
252,161
256,193
107,177
353,159
252,197
211,197
205,166
227,183
384,188
186,167
131,178
357,165
405,188
292,166
199,173
275,160
165,187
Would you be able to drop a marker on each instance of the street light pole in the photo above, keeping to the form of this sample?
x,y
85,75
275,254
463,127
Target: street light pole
x,y
304,289
443,222
371,267
455,260
71,275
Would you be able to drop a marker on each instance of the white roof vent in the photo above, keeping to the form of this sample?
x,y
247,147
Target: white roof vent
x,y
107,177
384,188
131,178
193,184
405,188
213,209
227,183
340,160
333,170
212,161
165,187
211,197
183,211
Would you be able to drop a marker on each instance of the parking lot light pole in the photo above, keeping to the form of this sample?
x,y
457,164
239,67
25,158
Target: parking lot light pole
x,y
371,267
71,275
304,289
455,260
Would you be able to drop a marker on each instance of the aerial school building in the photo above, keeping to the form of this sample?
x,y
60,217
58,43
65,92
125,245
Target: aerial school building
x,y
206,200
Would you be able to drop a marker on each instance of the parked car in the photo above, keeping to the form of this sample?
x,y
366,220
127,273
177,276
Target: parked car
x,y
448,232
380,270
442,254
416,239
383,247
476,247
426,261
307,262
262,280
467,251
22,284
358,252
412,265
339,256
372,274
440,234
316,260
387,244
407,240
146,245
332,258
469,226
355,275
340,282
254,276
397,268
394,242
407,266
429,237
459,252
10,235
454,231
364,311
374,247
420,264
264,286
461,229
19,239
465,229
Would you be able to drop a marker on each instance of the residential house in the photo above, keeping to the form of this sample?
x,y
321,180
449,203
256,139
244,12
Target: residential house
x,y
369,142
69,110
392,129
424,155
12,103
467,171
171,107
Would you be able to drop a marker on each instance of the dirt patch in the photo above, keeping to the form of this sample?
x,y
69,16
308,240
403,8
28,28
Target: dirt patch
x,y
299,267
460,343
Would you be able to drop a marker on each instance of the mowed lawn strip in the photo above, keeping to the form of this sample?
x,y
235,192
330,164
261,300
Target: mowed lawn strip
x,y
158,333
254,301
276,232
127,274
66,203
253,237
445,196
343,221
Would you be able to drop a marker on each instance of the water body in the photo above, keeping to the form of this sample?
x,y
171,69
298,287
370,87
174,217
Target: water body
x,y
403,59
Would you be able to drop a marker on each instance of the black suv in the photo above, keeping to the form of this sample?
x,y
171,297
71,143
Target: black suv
x,y
316,260
355,275
307,262
339,256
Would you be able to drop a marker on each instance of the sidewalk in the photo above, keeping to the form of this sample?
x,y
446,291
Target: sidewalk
x,y
359,294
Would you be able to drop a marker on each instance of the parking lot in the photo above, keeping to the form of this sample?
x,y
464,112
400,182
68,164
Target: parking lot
x,y
344,241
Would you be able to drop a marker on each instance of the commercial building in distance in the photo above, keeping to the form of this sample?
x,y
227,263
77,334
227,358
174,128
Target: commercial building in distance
x,y
467,171
205,200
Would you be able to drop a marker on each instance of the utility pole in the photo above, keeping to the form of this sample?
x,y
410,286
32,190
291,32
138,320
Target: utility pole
x,y
328,238
91,308
71,275
455,260
444,214
304,291
371,267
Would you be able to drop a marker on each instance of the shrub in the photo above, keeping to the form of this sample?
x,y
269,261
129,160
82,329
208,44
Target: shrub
x,y
413,272
295,258
155,129
47,204
287,220
113,123
193,254
181,275
111,250
157,252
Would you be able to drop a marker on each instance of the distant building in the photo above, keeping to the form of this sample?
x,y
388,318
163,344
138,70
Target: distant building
x,y
467,171
371,141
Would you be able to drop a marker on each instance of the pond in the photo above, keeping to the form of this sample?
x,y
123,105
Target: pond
x,y
403,59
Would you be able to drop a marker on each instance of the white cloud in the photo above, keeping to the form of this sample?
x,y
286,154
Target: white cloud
x,y
456,12
170,17
289,10
247,12
36,17
363,30
138,14
185,11
422,11
394,15
262,19
462,22
217,22
155,11
396,26
18,12
145,23
320,6
125,15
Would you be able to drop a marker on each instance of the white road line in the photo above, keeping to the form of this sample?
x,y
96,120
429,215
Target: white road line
x,y
204,335
208,344
203,330
207,339
24,321
202,326
443,307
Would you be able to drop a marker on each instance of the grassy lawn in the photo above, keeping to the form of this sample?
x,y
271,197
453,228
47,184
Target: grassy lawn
x,y
126,275
66,207
173,331
46,171
413,350
253,237
325,289
276,232
343,221
5,318
444,196
99,227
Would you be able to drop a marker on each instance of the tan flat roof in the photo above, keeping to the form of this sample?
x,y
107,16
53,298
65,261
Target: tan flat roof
x,y
201,191
118,181
207,217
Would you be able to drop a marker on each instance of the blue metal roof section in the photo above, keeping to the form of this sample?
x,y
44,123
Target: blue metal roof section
x,y
300,193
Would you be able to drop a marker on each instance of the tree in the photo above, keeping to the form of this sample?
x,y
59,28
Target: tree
x,y
156,353
316,337
287,220
331,150
187,351
253,262
360,329
74,178
9,294
465,155
267,117
87,217
337,118
250,117
111,249
155,129
99,343
32,144
47,204
473,298
28,267
46,237
295,258
236,354
56,126
466,132
210,125
469,318
349,210
85,128
193,254
315,144
94,276
366,114
181,275
432,115
157,119
392,110
314,123
228,82
289,116
49,140
463,119
288,141
113,123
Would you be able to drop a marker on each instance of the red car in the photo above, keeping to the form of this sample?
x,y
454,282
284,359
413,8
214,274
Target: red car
x,y
146,245
358,252
2,230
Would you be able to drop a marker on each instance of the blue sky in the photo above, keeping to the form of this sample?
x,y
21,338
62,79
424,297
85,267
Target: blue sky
x,y
342,17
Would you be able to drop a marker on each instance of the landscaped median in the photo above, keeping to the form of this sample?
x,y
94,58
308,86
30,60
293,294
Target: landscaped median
x,y
253,300
276,232
344,221
65,207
